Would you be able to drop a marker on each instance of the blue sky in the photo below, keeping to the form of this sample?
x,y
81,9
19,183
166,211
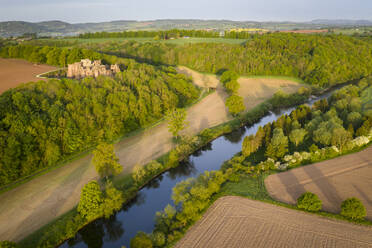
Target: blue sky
x,y
259,10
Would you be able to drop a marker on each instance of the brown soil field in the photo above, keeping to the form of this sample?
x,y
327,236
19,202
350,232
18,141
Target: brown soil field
x,y
14,72
333,181
31,205
240,222
201,80
306,31
256,90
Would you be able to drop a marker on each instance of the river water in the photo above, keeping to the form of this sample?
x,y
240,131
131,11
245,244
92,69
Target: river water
x,y
139,214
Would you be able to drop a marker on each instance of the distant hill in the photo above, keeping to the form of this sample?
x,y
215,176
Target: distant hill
x,y
342,22
56,28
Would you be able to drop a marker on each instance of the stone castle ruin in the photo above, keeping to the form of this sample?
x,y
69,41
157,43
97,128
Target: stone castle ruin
x,y
87,68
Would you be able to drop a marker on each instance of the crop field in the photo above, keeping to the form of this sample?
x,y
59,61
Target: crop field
x,y
240,222
333,181
264,87
14,72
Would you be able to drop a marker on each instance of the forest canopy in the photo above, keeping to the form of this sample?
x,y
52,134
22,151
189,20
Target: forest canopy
x,y
321,60
42,123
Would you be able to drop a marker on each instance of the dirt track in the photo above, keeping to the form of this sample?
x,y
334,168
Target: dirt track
x,y
333,181
14,72
239,222
37,202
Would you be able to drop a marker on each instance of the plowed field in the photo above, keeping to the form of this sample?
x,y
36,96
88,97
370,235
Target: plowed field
x,y
239,222
13,72
333,181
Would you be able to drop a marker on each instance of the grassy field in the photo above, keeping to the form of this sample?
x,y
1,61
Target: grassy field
x,y
351,31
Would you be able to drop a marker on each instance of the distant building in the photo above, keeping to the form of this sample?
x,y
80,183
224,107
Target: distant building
x,y
87,68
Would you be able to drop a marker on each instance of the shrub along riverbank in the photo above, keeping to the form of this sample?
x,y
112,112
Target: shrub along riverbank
x,y
334,127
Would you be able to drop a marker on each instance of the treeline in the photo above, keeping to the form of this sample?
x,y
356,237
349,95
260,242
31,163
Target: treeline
x,y
172,33
161,34
321,60
42,123
56,55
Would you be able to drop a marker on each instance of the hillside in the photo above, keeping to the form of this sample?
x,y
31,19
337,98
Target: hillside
x,y
55,27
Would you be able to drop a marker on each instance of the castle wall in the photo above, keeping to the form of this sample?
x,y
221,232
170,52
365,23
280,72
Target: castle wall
x,y
87,68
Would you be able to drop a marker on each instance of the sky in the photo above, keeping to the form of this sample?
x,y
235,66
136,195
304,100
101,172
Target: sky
x,y
75,11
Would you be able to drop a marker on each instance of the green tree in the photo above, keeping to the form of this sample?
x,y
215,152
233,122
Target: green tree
x,y
229,76
232,86
340,138
176,121
278,145
113,201
141,240
353,208
297,136
158,239
105,160
91,200
138,173
365,128
248,145
355,119
235,104
309,202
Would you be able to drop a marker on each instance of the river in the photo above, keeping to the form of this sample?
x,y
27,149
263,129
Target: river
x,y
139,214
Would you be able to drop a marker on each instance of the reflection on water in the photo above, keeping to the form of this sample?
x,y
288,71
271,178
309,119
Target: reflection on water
x,y
236,135
185,169
138,214
92,235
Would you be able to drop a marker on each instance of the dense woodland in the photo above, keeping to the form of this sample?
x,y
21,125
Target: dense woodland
x,y
172,33
56,55
321,60
43,122
161,34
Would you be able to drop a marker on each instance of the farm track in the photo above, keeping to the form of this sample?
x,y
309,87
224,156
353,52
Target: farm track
x,y
32,205
240,222
333,181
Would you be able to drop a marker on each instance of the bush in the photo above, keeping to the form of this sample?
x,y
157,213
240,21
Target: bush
x,y
353,208
158,238
141,240
91,200
232,87
173,159
7,244
235,104
309,202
